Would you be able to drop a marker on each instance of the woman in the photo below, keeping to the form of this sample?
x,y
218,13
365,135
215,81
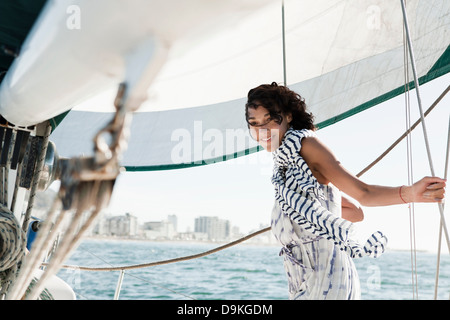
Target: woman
x,y
311,218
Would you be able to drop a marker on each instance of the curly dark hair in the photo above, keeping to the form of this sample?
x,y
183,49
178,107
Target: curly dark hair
x,y
280,100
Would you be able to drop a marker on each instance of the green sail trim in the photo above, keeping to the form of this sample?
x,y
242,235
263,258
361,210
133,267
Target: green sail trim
x,y
440,68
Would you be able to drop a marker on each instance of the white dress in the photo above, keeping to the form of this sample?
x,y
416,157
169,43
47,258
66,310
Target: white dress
x,y
306,219
315,267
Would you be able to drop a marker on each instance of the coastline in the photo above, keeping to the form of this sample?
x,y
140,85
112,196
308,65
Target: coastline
x,y
248,242
199,242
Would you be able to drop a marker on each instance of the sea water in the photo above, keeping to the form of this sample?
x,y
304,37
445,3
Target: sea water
x,y
242,272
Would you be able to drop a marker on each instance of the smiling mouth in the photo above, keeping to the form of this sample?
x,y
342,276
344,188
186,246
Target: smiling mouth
x,y
266,140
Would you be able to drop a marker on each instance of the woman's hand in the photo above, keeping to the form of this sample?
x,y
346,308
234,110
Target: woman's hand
x,y
428,189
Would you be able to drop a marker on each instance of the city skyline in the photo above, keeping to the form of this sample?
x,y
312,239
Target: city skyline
x,y
205,228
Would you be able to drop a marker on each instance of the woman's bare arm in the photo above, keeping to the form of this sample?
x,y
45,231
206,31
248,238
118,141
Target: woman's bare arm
x,y
326,168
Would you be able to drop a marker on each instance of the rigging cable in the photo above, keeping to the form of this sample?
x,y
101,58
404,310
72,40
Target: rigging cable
x,y
440,224
409,162
393,145
416,83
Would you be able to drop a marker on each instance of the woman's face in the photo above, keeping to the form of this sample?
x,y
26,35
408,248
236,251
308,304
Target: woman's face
x,y
267,132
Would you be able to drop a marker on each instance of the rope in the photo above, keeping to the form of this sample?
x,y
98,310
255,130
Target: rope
x,y
405,134
37,254
72,235
11,238
158,263
30,262
11,248
14,240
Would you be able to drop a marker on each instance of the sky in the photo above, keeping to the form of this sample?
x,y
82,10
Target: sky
x,y
240,190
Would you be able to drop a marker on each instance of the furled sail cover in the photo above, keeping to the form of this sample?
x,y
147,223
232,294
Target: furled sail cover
x,y
342,56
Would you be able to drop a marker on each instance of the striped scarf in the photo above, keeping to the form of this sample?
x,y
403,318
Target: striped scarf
x,y
297,193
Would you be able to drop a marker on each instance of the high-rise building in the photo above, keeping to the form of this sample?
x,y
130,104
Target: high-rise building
x,y
121,226
215,228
